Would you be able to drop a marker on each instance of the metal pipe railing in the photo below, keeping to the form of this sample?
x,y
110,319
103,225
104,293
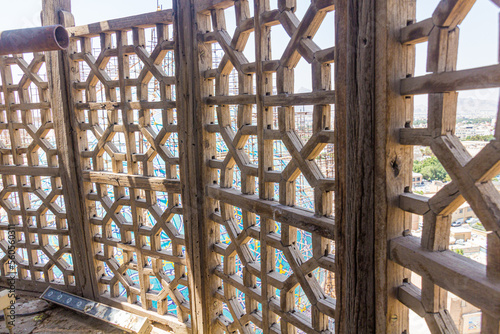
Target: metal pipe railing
x,y
49,38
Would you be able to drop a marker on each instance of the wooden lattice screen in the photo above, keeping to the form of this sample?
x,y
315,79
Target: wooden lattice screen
x,y
272,262
39,207
443,270
32,193
174,169
123,94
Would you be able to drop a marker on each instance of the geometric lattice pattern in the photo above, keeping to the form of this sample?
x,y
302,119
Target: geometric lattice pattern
x,y
32,204
124,97
268,191
272,260
471,182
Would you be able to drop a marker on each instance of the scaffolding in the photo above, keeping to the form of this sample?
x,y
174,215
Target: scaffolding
x,y
303,127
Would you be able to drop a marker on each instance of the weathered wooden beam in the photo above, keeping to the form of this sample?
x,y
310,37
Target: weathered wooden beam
x,y
450,13
286,100
133,181
355,213
143,21
281,100
173,324
462,276
33,171
202,6
191,60
299,218
393,161
410,295
476,78
411,136
416,32
230,100
414,203
58,71
438,321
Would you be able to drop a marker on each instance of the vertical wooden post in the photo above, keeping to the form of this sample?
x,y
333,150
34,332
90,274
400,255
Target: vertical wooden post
x,y
265,147
193,156
355,166
490,324
393,161
58,12
372,168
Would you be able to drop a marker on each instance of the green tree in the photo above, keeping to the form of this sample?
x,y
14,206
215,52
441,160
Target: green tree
x,y
480,138
478,120
431,169
479,226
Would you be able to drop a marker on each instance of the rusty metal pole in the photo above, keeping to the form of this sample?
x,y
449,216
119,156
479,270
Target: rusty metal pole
x,y
49,38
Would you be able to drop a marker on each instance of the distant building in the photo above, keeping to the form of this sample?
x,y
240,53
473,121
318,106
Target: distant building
x,y
463,131
417,179
464,211
466,316
435,186
461,233
416,222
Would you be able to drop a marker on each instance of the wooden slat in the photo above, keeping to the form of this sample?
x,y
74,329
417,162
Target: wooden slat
x,y
133,181
120,105
414,203
450,13
230,100
206,5
191,59
477,78
126,23
58,75
410,295
417,32
284,214
166,320
411,136
287,100
462,276
26,170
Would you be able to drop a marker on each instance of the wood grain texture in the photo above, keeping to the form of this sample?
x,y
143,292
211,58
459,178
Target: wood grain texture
x,y
471,176
230,120
393,161
469,280
126,23
58,78
355,166
192,157
130,212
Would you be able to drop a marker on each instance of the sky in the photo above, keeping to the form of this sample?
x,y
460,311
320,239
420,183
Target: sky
x,y
478,45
